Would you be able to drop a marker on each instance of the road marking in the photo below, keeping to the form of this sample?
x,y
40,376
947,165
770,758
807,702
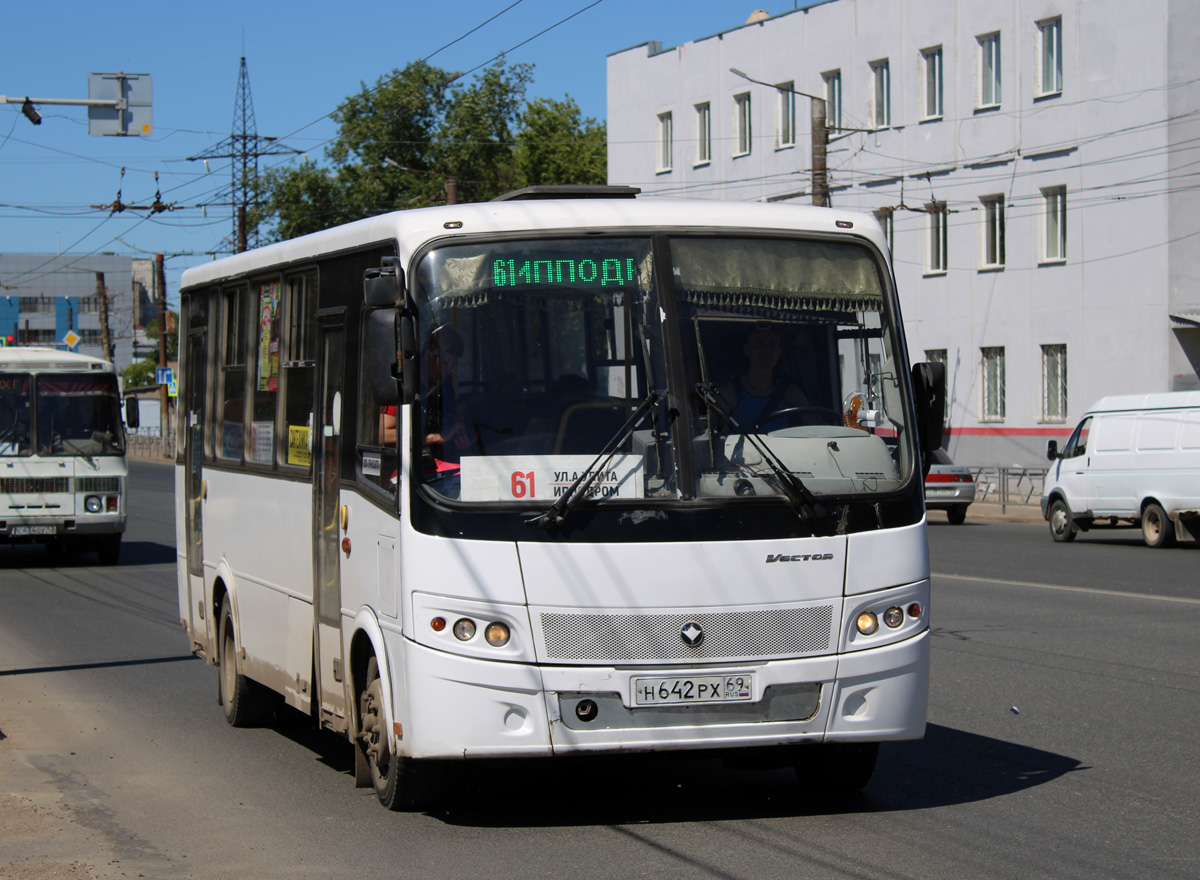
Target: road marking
x,y
979,580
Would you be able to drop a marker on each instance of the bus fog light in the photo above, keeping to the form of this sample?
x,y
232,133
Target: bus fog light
x,y
464,630
497,635
867,622
586,710
93,504
893,617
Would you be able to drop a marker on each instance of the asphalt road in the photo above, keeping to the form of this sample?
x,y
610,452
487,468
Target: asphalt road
x,y
1066,691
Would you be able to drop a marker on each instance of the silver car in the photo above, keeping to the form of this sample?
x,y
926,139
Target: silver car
x,y
949,487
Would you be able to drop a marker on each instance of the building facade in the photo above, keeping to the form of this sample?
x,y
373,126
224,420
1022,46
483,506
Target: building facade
x,y
1034,166
43,297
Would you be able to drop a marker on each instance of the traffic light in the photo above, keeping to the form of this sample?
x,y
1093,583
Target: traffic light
x,y
7,340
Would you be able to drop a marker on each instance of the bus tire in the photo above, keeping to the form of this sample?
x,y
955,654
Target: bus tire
x,y
835,769
1157,528
1062,524
245,702
400,783
109,549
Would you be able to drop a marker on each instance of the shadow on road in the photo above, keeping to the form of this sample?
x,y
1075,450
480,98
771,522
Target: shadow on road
x,y
948,767
133,553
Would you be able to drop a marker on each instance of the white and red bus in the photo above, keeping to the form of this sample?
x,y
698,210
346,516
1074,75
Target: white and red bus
x,y
506,480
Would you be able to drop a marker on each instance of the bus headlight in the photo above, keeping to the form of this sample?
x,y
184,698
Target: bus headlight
x,y
497,635
867,623
893,617
93,504
464,630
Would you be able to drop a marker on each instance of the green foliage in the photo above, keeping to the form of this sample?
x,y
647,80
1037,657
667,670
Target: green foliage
x,y
556,145
399,141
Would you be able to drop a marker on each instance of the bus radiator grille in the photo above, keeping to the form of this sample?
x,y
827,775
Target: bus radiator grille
x,y
784,632
97,484
31,485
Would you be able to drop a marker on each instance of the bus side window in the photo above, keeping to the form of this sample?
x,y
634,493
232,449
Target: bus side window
x,y
298,368
378,424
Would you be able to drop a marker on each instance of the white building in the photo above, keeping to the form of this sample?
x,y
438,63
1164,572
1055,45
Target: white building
x,y
1037,164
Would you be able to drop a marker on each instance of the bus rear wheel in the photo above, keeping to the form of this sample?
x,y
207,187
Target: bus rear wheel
x,y
400,783
246,702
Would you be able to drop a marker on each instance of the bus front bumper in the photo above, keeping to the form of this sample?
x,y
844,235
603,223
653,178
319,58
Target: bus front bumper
x,y
461,707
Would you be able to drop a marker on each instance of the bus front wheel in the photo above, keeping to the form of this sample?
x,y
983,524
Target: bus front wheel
x,y
109,549
835,769
245,702
400,783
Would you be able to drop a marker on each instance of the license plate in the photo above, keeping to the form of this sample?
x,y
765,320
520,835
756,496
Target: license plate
x,y
694,689
23,531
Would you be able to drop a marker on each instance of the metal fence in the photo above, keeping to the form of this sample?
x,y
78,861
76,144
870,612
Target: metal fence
x,y
1009,484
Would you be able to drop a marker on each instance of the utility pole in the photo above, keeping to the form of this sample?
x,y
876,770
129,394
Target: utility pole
x,y
160,282
105,340
451,190
820,138
243,147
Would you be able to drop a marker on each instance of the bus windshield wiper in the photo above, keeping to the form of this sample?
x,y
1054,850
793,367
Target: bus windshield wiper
x,y
787,482
578,490
91,461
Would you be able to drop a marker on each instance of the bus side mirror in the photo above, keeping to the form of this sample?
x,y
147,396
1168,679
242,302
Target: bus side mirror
x,y
133,413
1052,449
929,389
383,367
383,287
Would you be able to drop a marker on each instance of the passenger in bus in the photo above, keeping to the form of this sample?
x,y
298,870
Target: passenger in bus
x,y
760,389
444,426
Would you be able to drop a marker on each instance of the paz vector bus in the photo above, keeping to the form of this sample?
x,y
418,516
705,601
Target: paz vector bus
x,y
572,472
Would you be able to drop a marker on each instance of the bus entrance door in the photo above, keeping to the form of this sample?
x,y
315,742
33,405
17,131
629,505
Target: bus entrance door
x,y
200,627
327,525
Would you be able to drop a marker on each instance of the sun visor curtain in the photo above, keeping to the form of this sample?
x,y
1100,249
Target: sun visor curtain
x,y
105,383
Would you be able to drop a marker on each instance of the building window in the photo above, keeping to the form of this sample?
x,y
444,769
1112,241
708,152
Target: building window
x,y
885,218
881,94
993,384
1050,36
1054,383
741,106
36,305
665,142
89,305
786,132
1055,224
993,232
833,99
89,337
989,71
703,134
938,238
931,81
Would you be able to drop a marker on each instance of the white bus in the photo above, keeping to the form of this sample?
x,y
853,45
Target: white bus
x,y
503,480
62,452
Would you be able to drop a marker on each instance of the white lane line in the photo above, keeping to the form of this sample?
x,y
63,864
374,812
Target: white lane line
x,y
979,580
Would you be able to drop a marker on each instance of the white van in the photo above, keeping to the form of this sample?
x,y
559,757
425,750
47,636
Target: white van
x,y
1133,460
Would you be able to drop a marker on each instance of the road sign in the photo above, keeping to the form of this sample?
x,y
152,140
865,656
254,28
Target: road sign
x,y
131,111
164,376
71,339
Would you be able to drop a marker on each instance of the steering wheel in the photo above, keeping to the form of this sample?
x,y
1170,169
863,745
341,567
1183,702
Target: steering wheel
x,y
825,415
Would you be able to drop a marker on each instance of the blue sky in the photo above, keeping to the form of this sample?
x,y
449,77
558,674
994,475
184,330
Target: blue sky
x,y
303,58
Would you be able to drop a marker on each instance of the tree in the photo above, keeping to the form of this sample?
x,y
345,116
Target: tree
x,y
399,140
556,145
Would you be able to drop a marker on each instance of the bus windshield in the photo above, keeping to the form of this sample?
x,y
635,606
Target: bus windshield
x,y
15,435
769,359
78,414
